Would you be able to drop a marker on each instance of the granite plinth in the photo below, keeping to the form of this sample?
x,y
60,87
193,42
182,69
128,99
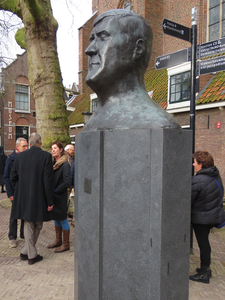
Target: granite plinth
x,y
132,214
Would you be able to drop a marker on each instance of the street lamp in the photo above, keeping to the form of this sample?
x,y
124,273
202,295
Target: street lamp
x,y
24,130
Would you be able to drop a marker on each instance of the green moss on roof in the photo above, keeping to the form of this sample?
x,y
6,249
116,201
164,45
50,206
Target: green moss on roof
x,y
157,81
215,91
81,103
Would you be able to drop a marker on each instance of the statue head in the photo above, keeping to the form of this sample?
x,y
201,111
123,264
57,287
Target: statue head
x,y
120,47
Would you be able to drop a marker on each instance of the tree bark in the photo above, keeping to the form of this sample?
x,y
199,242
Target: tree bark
x,y
45,78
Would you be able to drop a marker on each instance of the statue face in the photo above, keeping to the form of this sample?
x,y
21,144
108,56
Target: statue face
x,y
109,54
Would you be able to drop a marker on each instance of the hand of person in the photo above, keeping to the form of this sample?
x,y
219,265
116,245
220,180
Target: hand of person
x,y
50,208
11,198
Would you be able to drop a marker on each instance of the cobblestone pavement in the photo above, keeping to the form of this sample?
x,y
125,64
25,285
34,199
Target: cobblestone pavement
x,y
216,289
53,278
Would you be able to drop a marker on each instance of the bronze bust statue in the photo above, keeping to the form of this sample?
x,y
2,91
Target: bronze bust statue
x,y
119,53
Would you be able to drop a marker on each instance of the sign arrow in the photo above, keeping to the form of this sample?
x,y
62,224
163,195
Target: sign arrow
x,y
173,59
176,30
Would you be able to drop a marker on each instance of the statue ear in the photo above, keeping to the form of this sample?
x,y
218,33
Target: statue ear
x,y
139,49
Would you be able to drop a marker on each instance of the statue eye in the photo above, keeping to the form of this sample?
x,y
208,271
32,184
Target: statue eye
x,y
91,38
103,35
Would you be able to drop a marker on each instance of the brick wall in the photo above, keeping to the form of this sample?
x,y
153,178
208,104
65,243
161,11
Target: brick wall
x,y
15,73
207,136
84,40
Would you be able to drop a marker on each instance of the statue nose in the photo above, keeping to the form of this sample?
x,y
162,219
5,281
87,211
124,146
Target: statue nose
x,y
91,49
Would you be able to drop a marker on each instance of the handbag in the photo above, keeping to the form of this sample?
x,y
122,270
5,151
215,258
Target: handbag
x,y
222,224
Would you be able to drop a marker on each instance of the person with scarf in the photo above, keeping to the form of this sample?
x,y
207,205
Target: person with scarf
x,y
206,208
62,181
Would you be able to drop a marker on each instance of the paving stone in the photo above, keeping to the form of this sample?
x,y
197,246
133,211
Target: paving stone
x,y
53,278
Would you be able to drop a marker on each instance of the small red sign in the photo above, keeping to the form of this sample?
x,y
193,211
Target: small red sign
x,y
218,124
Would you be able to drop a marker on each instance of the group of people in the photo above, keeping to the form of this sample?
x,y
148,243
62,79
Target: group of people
x,y
37,183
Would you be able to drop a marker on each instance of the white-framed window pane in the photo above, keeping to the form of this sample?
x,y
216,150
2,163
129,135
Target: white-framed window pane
x,y
214,32
214,3
94,103
214,15
186,91
22,97
180,87
177,96
172,98
223,28
178,78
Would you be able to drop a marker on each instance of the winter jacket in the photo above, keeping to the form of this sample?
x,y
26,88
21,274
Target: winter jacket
x,y
206,197
3,158
62,181
33,180
8,167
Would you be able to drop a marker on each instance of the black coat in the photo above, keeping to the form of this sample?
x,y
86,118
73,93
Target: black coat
x,y
32,177
3,158
8,167
62,181
206,197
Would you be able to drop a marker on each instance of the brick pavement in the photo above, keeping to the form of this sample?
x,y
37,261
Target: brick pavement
x,y
53,278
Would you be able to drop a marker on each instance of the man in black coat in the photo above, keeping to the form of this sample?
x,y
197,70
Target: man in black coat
x,y
21,145
32,177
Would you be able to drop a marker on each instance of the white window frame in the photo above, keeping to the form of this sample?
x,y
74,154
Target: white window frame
x,y
220,21
21,110
72,136
174,71
92,98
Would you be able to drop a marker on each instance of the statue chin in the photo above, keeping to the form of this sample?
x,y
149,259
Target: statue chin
x,y
93,83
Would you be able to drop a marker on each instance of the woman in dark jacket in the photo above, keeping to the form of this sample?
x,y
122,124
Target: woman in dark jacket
x,y
62,180
206,208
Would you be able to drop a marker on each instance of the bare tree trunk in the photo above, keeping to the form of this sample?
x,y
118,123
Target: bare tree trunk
x,y
44,71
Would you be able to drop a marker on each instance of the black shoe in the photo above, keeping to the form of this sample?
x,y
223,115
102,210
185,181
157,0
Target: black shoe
x,y
3,191
35,260
208,271
200,277
23,256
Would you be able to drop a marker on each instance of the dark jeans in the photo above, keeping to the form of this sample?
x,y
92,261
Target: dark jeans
x,y
13,228
202,236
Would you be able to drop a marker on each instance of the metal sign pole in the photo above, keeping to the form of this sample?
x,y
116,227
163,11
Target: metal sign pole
x,y
193,83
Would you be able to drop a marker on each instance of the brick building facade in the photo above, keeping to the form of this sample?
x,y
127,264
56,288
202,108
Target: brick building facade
x,y
17,104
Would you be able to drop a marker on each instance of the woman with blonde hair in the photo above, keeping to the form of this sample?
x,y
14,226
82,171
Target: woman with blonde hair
x,y
62,181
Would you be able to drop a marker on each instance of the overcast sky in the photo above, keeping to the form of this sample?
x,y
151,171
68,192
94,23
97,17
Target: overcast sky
x,y
70,19
70,14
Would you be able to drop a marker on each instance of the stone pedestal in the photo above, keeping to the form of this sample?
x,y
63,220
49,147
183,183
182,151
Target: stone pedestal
x,y
132,214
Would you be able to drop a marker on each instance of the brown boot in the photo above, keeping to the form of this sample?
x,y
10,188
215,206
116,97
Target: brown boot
x,y
66,244
58,240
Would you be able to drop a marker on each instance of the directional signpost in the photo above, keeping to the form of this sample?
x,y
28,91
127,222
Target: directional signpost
x,y
211,48
204,66
212,65
189,35
177,30
173,59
